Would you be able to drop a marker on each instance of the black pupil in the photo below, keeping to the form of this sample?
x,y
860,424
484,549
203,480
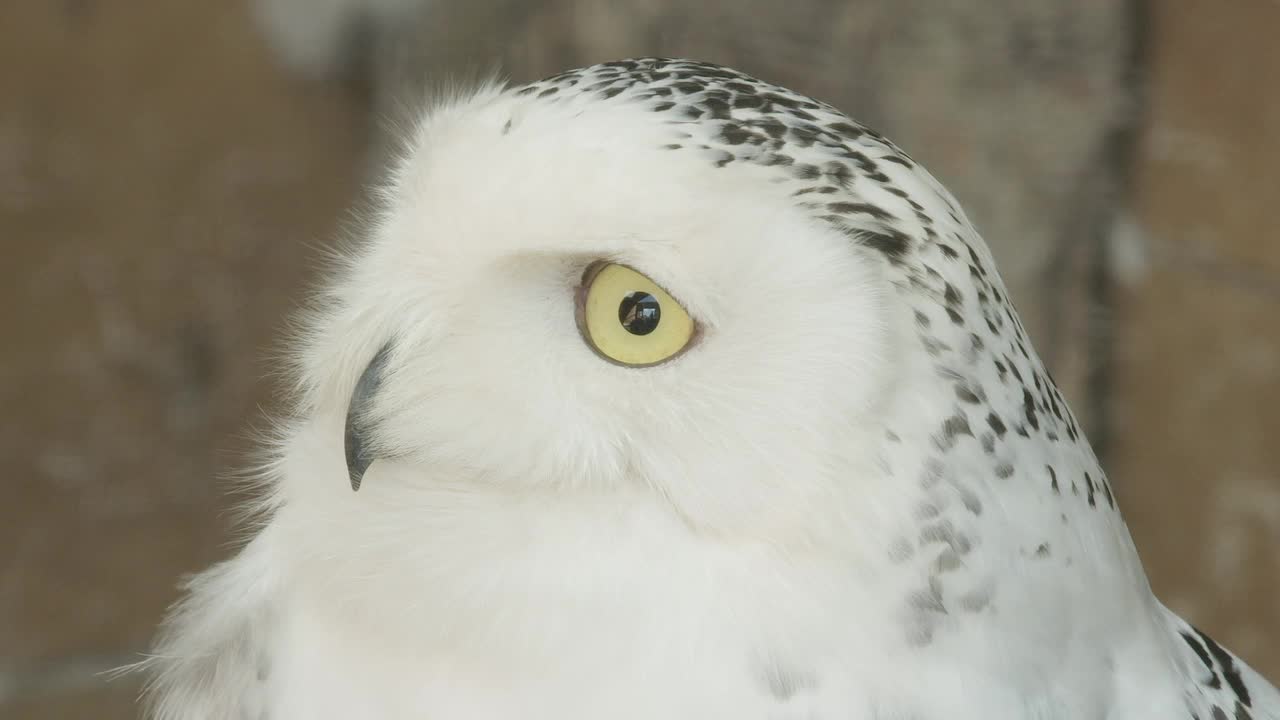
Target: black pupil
x,y
639,312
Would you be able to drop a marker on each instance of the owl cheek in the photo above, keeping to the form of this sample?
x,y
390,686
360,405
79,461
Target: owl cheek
x,y
357,434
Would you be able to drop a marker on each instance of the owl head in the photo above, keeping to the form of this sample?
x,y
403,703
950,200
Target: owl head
x,y
659,279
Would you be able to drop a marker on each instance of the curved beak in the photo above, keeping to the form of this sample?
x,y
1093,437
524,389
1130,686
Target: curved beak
x,y
356,439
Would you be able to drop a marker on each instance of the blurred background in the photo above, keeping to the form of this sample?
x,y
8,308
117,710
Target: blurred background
x,y
171,170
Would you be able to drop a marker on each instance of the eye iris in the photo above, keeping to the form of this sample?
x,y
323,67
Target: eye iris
x,y
639,312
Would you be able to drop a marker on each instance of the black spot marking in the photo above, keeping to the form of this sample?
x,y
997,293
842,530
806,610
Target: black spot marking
x,y
733,134
856,208
947,561
950,295
1229,670
988,443
975,601
976,344
806,172
783,684
931,475
970,500
920,632
1198,649
966,395
944,532
997,425
1029,408
954,427
933,346
892,245
929,600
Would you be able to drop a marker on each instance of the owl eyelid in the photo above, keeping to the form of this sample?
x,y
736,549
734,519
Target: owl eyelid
x,y
593,269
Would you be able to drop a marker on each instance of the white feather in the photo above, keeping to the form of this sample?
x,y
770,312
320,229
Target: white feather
x,y
744,532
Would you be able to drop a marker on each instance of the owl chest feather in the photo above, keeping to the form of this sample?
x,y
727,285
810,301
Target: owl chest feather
x,y
627,614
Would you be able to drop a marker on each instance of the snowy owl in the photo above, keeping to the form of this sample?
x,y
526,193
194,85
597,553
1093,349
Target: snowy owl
x,y
658,391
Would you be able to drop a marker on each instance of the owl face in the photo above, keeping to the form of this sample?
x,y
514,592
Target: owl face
x,y
566,305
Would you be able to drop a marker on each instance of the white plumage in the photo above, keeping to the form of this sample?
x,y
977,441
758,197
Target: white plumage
x,y
850,491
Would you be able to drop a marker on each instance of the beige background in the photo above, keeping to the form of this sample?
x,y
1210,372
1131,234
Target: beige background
x,y
164,185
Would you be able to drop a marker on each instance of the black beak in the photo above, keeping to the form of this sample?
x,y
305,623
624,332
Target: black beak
x,y
356,438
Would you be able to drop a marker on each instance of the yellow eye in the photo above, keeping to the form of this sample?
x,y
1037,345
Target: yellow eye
x,y
627,319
